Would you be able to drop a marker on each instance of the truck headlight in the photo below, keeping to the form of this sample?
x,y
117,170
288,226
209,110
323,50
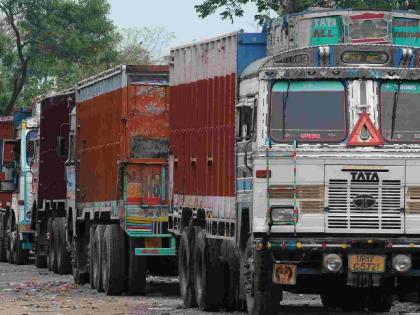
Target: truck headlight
x,y
401,263
332,263
282,215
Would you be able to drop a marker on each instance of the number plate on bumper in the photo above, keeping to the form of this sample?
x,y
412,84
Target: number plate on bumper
x,y
284,274
367,263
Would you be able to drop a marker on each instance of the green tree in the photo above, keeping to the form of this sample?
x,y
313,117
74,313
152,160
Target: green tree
x,y
51,44
229,9
143,45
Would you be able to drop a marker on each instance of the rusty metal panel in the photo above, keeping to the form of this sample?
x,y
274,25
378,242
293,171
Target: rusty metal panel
x,y
6,127
114,115
148,120
54,123
203,92
6,132
99,126
205,60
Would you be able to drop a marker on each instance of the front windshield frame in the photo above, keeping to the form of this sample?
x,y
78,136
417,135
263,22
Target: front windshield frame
x,y
382,111
337,140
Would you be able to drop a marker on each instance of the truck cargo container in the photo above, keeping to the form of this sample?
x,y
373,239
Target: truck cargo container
x,y
38,206
294,162
8,178
117,191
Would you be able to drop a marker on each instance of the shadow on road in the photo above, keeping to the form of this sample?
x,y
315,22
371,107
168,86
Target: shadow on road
x,y
154,289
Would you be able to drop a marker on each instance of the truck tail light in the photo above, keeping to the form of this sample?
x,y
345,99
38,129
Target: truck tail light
x,y
263,174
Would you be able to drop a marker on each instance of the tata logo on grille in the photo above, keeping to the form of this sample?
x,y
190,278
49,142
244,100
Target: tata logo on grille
x,y
364,177
364,201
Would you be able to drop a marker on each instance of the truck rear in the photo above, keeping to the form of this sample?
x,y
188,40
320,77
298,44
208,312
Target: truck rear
x,y
38,205
11,220
117,189
8,180
47,148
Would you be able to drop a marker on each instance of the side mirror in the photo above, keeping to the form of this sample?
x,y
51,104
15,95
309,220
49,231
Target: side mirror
x,y
61,146
31,137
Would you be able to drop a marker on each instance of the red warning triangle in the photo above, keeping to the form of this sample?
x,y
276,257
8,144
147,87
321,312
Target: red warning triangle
x,y
371,136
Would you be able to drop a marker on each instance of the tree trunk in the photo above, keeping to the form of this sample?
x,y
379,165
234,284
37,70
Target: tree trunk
x,y
21,73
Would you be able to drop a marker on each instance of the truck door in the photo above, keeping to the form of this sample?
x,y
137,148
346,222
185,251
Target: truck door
x,y
145,187
9,159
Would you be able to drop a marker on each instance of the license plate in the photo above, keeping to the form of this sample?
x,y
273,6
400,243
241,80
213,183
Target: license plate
x,y
367,263
284,274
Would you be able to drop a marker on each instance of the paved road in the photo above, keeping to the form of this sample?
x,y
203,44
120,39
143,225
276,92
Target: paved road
x,y
27,290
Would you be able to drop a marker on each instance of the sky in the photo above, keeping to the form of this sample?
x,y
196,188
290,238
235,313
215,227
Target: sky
x,y
179,17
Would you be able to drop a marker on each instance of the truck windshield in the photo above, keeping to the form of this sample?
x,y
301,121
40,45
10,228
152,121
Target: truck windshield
x,y
400,111
308,111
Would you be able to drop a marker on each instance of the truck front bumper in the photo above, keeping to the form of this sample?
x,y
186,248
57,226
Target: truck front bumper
x,y
305,255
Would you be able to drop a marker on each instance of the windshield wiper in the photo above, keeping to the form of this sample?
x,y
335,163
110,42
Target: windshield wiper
x,y
285,99
394,108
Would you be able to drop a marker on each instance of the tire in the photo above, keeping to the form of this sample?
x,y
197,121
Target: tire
x,y
50,243
3,245
10,242
137,268
186,268
208,273
56,241
258,302
21,255
63,256
231,287
79,274
40,241
379,301
97,258
113,264
92,230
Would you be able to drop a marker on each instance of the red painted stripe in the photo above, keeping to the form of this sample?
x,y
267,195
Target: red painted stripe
x,y
155,201
367,16
369,40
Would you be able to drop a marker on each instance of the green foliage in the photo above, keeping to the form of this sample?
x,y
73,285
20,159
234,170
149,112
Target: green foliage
x,y
143,45
51,44
229,9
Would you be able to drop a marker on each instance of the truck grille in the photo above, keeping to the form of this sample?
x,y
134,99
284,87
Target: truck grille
x,y
383,217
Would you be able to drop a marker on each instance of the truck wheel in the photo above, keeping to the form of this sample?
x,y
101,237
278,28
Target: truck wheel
x,y
10,239
56,241
92,230
40,257
63,256
137,268
379,301
231,280
113,265
258,302
186,268
51,261
21,255
3,245
79,274
208,283
96,258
